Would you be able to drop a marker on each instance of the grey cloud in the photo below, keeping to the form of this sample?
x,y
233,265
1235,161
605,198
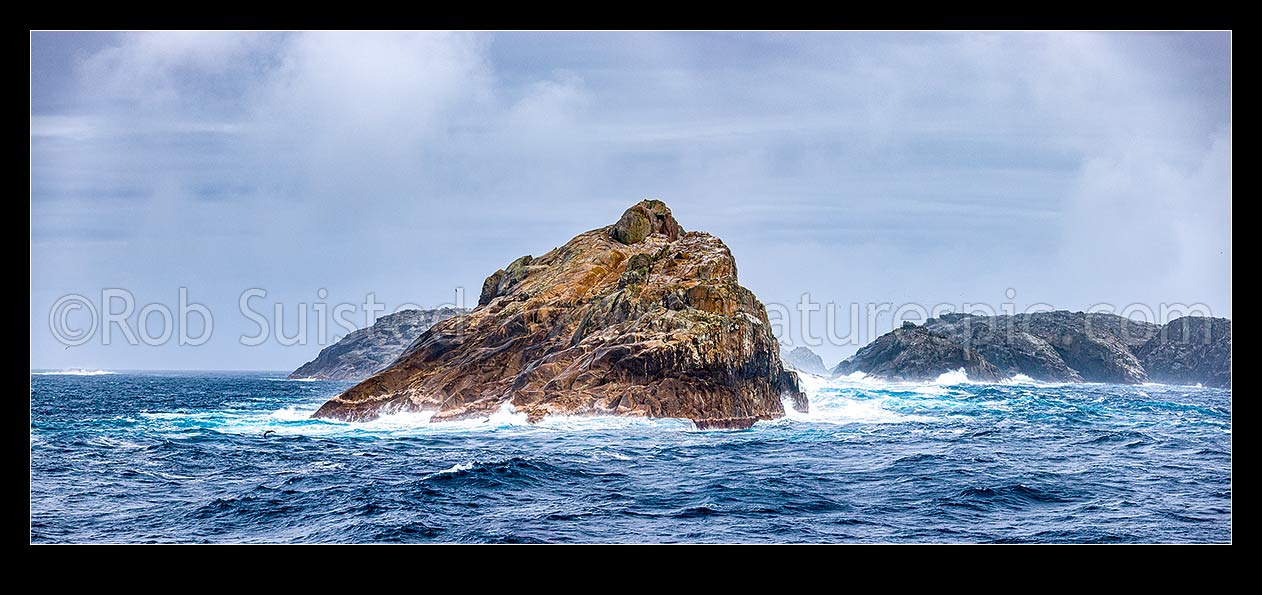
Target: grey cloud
x,y
858,167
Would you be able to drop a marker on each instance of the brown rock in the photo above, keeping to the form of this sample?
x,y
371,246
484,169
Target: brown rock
x,y
644,219
731,423
490,287
637,318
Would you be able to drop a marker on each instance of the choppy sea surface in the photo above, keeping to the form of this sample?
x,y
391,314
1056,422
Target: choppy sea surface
x,y
233,457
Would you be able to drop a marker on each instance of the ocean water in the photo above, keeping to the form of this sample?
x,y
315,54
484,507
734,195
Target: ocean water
x,y
233,457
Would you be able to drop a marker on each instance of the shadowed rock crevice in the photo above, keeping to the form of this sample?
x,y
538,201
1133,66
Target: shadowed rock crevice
x,y
637,318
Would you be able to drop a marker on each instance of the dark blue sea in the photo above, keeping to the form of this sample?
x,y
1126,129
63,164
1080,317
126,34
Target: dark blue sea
x,y
183,457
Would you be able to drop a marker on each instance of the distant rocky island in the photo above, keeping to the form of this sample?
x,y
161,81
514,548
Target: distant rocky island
x,y
637,318
803,359
1190,350
1055,346
917,353
367,351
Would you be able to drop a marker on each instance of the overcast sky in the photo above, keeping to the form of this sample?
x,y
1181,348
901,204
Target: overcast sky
x,y
859,168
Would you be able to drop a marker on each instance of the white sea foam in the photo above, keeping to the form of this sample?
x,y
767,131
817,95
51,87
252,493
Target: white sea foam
x,y
171,475
842,410
75,372
507,415
292,414
953,378
457,468
396,421
1173,386
861,380
1022,379
390,422
852,399
858,381
860,377
298,420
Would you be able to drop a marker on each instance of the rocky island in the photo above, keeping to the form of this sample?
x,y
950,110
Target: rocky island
x,y
917,353
1189,350
637,318
366,351
802,359
1055,346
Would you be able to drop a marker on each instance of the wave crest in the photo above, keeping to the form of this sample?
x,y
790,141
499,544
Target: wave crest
x,y
75,372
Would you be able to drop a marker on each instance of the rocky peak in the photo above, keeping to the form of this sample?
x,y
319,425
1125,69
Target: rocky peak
x,y
803,359
647,218
637,318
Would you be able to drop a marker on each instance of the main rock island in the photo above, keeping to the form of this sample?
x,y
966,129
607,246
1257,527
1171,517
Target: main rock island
x,y
638,318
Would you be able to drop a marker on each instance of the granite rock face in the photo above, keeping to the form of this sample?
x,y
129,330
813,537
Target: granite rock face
x,y
637,318
366,351
1190,350
917,353
803,359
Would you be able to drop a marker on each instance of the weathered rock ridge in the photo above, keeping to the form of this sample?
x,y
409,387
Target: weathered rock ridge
x,y
1190,350
917,353
366,351
637,318
1055,346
